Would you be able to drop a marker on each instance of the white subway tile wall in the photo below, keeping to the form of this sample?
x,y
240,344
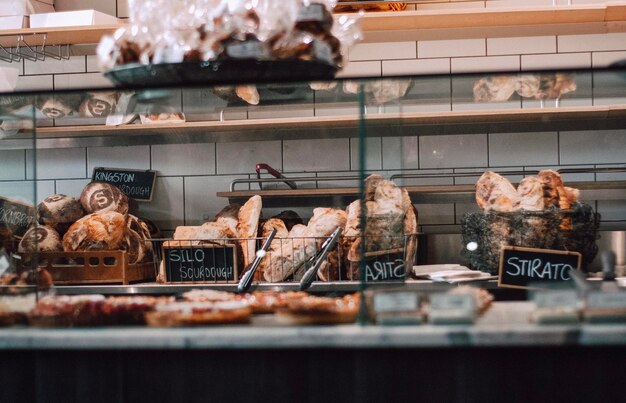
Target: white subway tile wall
x,y
243,157
451,48
454,151
183,159
520,46
316,155
60,163
84,80
595,42
480,64
519,149
418,66
388,51
13,165
373,153
133,157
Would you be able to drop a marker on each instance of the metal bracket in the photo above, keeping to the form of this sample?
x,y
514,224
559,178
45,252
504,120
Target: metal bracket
x,y
34,53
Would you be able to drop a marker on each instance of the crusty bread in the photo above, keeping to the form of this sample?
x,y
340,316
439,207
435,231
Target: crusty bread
x,y
98,231
494,192
275,246
247,227
530,192
553,189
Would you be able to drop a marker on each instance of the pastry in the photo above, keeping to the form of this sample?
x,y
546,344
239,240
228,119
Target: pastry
x,y
41,238
198,314
494,192
312,310
59,211
100,196
99,231
209,296
247,228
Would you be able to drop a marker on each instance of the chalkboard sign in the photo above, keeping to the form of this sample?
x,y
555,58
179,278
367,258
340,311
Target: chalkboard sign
x,y
385,266
519,267
16,216
135,183
205,263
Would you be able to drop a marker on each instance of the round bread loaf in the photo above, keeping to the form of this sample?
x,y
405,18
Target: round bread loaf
x,y
59,211
98,104
100,196
104,230
41,238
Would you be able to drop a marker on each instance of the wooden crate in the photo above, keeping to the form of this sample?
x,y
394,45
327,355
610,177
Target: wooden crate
x,y
95,267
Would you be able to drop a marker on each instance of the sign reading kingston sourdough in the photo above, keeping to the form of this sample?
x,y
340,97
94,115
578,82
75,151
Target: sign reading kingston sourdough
x,y
16,216
205,263
520,267
138,184
387,266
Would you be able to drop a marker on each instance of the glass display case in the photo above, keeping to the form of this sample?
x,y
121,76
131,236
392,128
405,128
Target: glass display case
x,y
378,196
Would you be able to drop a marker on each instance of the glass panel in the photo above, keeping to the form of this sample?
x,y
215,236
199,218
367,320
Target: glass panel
x,y
18,195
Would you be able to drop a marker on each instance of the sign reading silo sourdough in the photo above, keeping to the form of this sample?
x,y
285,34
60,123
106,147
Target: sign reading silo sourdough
x,y
204,263
135,183
522,267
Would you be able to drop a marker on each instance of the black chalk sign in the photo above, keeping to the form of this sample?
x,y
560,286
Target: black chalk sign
x,y
135,183
385,266
205,263
16,216
521,267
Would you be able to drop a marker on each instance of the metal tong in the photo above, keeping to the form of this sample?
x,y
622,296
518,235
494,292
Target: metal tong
x,y
248,276
316,261
274,173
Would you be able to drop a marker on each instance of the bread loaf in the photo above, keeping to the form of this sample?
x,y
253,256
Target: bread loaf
x,y
59,211
100,196
41,238
247,227
530,192
98,231
494,192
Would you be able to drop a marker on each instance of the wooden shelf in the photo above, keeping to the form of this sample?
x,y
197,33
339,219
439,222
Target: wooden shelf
x,y
613,190
385,125
413,25
494,22
85,35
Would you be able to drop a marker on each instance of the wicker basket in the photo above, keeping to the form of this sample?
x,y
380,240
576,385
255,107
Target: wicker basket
x,y
532,229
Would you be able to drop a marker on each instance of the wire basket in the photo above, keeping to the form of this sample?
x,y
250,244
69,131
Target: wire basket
x,y
574,230
225,260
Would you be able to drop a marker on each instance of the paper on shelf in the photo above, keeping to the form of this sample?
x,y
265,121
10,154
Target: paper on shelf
x,y
72,19
14,22
24,7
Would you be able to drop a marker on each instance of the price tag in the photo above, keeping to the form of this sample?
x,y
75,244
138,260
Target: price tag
x,y
556,299
452,309
452,302
396,302
606,300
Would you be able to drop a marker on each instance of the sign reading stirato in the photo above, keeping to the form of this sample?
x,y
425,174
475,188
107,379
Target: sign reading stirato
x,y
519,267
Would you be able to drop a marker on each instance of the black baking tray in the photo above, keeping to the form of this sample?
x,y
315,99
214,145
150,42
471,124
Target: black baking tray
x,y
219,72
